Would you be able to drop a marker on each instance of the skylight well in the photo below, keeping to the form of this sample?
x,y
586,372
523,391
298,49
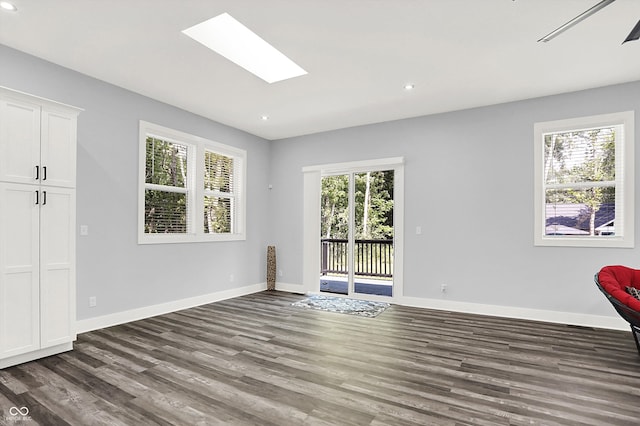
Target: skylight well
x,y
226,36
8,6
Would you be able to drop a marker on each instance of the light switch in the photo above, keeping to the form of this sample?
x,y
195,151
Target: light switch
x,y
418,230
84,230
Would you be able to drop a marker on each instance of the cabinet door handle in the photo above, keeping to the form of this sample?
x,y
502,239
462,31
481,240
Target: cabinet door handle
x,y
44,197
37,172
44,172
37,197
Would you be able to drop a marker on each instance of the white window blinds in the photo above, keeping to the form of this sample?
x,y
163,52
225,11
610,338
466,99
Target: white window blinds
x,y
218,193
166,189
584,179
580,181
190,189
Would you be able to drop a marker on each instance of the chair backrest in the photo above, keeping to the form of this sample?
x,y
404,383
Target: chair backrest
x,y
630,315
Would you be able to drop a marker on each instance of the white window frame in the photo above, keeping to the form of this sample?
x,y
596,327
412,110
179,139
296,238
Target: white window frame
x,y
624,182
196,147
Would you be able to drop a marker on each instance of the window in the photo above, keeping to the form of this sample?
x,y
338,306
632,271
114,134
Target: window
x,y
191,189
584,181
218,192
166,189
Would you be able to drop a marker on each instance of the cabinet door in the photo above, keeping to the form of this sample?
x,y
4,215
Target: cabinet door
x,y
58,148
19,283
19,141
57,266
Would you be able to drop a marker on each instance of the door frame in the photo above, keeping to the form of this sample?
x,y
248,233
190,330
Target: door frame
x,y
312,176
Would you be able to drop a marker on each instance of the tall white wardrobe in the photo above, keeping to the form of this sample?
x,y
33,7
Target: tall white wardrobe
x,y
37,227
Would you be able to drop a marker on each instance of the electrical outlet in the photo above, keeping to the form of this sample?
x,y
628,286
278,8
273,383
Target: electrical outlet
x,y
418,230
280,273
84,230
231,278
92,302
443,288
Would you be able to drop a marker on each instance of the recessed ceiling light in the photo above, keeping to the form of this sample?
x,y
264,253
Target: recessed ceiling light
x,y
264,117
8,6
228,37
409,86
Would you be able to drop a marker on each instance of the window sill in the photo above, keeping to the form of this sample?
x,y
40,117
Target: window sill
x,y
189,238
597,242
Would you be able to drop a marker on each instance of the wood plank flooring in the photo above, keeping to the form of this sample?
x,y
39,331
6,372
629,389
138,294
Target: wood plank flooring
x,y
256,360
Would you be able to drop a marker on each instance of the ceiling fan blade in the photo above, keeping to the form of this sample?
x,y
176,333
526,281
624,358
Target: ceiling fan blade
x,y
584,15
634,34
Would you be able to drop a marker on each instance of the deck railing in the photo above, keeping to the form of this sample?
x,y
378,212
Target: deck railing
x,y
372,258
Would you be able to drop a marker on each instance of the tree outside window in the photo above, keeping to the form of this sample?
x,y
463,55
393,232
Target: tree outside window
x,y
218,186
166,196
580,181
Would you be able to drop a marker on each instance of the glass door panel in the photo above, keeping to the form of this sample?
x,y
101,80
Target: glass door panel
x,y
373,233
334,234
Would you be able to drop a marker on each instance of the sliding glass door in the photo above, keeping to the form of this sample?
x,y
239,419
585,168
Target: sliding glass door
x,y
357,233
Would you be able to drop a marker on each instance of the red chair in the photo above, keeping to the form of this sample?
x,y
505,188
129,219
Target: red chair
x,y
613,282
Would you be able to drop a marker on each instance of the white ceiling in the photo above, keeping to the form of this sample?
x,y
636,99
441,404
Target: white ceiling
x,y
358,53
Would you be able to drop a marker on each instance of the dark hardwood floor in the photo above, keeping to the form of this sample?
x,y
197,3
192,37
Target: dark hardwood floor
x,y
258,360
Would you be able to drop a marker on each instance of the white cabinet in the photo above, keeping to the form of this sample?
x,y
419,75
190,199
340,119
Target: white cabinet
x,y
19,140
58,148
19,270
57,266
37,143
37,227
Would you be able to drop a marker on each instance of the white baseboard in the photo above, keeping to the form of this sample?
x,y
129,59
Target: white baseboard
x,y
586,320
290,288
571,318
90,324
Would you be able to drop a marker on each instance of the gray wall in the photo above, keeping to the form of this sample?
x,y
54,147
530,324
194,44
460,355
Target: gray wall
x,y
469,185
110,264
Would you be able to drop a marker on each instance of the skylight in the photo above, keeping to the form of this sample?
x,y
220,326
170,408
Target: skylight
x,y
8,6
229,38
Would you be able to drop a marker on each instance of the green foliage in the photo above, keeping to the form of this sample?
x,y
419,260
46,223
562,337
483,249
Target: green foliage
x,y
217,215
165,212
379,215
374,223
218,172
166,164
218,180
166,209
580,156
334,207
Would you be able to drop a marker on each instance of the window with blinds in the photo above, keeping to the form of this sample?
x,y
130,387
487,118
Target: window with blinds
x,y
584,168
166,189
185,179
218,193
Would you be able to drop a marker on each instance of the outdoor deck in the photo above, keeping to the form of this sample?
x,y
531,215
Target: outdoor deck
x,y
373,266
338,285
